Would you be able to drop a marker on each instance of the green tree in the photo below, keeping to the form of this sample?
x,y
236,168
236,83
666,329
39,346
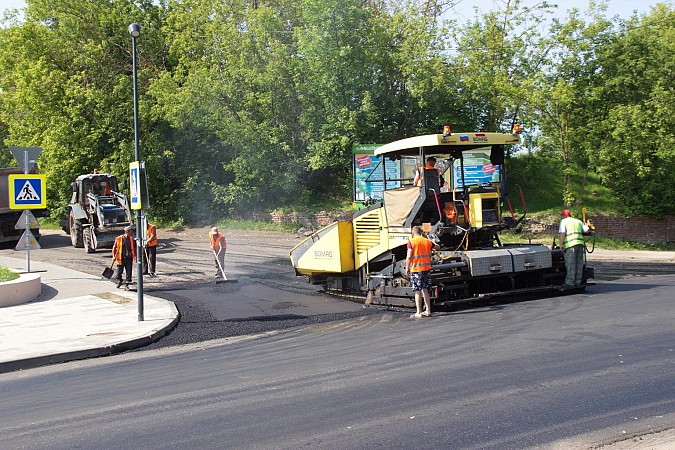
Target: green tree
x,y
498,56
563,100
635,136
232,104
66,87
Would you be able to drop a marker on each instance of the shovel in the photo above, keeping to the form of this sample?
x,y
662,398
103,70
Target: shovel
x,y
215,255
108,272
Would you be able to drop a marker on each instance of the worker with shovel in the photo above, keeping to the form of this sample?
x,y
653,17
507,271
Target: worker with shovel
x,y
218,247
124,253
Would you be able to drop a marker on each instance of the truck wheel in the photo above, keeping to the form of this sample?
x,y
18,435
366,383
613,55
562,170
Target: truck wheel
x,y
75,232
88,240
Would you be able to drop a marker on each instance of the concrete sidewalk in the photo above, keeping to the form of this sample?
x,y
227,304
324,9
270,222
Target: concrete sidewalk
x,y
77,316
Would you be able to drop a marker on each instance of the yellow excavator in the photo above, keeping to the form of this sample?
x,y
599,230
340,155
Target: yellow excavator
x,y
460,204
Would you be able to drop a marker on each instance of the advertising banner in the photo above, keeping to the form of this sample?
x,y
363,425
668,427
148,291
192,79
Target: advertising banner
x,y
368,173
477,169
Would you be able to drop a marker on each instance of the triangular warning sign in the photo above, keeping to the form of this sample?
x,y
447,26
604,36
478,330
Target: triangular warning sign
x,y
27,241
27,192
26,216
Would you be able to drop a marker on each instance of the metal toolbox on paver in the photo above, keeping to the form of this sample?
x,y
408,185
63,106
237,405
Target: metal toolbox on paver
x,y
531,258
489,262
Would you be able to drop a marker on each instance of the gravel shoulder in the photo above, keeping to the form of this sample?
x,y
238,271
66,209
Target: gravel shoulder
x,y
664,440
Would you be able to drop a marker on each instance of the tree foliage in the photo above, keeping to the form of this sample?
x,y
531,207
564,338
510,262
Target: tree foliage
x,y
254,104
636,140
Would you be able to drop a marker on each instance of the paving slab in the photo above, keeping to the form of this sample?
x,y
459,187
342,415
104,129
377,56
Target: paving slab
x,y
77,316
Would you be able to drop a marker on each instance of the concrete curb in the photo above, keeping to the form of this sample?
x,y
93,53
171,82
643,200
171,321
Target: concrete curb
x,y
24,289
94,352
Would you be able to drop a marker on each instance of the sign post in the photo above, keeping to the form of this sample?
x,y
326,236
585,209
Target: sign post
x,y
27,191
135,170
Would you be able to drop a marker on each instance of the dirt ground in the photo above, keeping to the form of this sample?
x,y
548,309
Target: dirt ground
x,y
184,256
628,256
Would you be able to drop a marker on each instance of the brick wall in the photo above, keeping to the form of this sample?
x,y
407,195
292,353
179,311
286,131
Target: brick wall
x,y
636,229
315,220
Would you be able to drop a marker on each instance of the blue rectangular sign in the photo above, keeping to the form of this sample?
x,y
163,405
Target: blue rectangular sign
x,y
135,185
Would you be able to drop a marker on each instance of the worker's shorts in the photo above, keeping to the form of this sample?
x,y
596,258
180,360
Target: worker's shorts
x,y
420,280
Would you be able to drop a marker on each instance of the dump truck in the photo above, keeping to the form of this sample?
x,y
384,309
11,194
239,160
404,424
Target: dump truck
x,y
9,217
97,212
465,215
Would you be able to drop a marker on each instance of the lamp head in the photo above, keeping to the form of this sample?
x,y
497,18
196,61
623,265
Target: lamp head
x,y
134,30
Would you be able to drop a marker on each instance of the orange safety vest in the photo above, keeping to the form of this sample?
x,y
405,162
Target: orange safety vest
x,y
118,247
420,260
420,174
151,234
216,240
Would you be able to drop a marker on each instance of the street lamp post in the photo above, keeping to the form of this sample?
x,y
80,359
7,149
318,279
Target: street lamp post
x,y
135,31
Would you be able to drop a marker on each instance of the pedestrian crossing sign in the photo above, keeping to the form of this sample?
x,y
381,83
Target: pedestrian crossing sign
x,y
27,191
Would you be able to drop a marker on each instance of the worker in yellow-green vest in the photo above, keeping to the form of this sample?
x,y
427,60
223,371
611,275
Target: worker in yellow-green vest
x,y
571,234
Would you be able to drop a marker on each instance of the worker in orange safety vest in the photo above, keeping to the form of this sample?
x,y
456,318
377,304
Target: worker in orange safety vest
x,y
418,266
150,259
218,247
431,165
124,252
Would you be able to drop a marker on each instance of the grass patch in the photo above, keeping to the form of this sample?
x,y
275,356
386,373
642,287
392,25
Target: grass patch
x,y
240,224
7,275
614,244
325,205
541,180
49,223
526,238
600,242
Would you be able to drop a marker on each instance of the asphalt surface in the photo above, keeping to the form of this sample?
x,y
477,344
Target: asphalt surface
x,y
82,315
577,371
248,306
275,304
262,293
